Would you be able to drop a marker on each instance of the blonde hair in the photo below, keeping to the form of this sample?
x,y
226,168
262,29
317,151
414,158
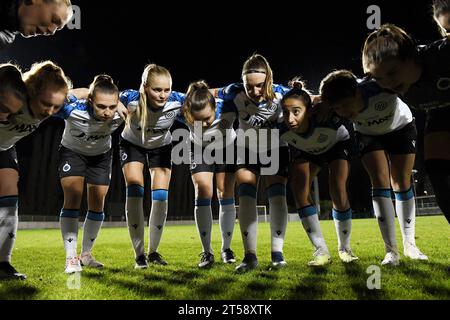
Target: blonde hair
x,y
151,71
198,97
44,75
258,64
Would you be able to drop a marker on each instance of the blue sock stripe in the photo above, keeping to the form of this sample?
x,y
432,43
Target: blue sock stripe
x,y
342,215
247,190
135,191
382,193
307,211
68,213
276,190
9,202
203,202
393,195
95,216
160,195
405,195
226,202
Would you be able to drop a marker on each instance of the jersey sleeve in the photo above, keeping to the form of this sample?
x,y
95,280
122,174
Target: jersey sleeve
x,y
65,112
130,99
177,97
230,92
277,88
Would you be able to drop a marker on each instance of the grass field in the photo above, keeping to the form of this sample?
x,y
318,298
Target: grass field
x,y
40,255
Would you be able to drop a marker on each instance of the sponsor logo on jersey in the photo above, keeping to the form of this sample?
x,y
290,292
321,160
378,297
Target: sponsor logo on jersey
x,y
82,136
24,128
379,121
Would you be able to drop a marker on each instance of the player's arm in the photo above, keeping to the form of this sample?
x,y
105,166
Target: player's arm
x,y
79,93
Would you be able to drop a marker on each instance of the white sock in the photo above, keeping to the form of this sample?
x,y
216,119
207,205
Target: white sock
x,y
310,222
203,219
406,211
248,217
157,219
227,220
278,215
135,217
69,230
91,228
343,224
385,214
9,222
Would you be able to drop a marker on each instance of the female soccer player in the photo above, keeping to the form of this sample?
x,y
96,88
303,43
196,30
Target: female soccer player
x,y
215,122
313,145
146,139
46,89
386,135
85,154
256,101
421,75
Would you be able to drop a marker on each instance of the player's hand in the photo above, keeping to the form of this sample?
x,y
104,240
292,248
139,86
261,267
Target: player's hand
x,y
123,111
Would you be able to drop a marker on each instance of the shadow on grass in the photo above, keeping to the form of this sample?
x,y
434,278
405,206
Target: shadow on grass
x,y
149,290
214,287
174,277
13,290
357,278
423,270
311,287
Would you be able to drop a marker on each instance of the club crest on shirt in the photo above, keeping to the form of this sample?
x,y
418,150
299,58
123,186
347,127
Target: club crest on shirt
x,y
170,115
381,106
322,138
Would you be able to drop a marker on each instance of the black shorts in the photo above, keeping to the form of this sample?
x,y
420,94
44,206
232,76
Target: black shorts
x,y
438,120
215,167
8,159
154,158
281,170
399,142
340,151
95,169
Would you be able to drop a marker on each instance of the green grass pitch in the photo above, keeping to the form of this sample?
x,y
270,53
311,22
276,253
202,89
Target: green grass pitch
x,y
40,255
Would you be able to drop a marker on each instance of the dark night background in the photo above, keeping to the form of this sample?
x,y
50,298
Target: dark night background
x,y
201,40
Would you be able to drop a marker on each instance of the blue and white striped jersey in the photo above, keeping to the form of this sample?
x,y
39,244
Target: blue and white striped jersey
x,y
223,124
84,134
383,112
18,127
265,115
320,137
159,121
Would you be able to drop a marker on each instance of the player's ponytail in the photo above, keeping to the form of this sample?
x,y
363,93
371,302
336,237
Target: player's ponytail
x,y
298,91
198,97
102,83
390,42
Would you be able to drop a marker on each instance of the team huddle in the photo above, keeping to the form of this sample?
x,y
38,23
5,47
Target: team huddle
x,y
312,134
